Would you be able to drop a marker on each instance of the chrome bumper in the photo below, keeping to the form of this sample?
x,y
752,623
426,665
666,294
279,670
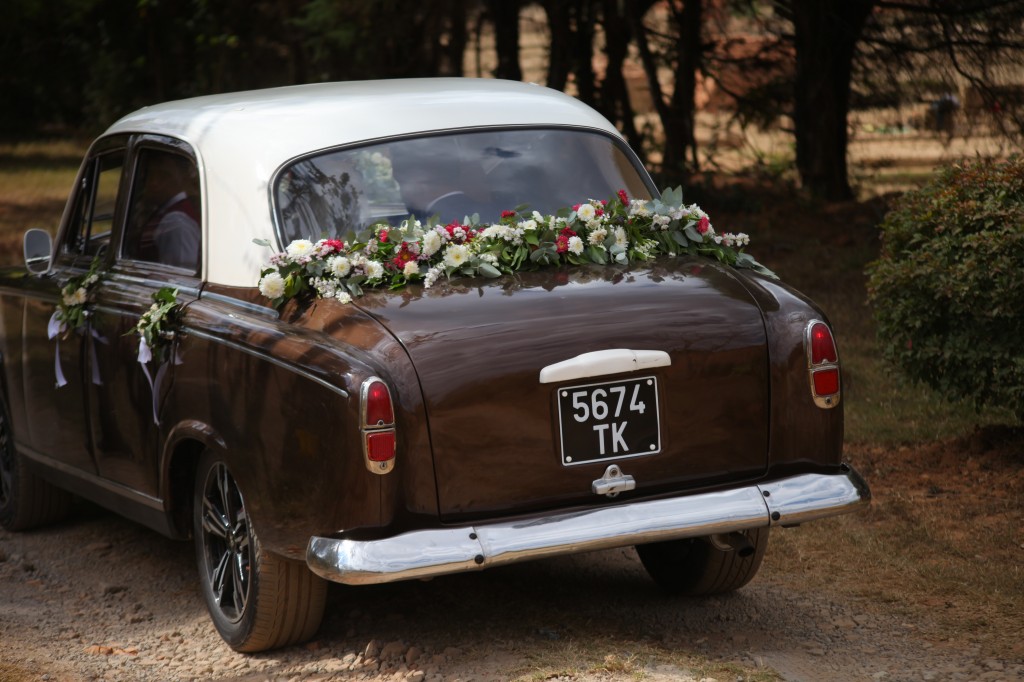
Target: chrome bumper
x,y
426,553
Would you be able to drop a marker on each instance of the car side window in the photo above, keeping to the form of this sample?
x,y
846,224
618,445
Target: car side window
x,y
93,213
164,211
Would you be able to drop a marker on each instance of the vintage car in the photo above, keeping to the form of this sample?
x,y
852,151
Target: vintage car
x,y
380,331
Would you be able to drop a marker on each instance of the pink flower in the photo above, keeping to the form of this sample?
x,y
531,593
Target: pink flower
x,y
383,236
623,197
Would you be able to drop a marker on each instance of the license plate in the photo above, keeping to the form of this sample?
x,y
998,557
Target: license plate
x,y
611,420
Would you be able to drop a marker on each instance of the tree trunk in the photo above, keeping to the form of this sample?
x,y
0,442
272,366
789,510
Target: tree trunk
x,y
825,37
559,47
615,102
505,17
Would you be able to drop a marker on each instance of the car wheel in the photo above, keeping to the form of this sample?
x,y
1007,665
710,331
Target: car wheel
x,y
257,600
701,566
26,500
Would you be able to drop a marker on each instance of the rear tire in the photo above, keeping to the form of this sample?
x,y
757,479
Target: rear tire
x,y
695,566
257,600
26,500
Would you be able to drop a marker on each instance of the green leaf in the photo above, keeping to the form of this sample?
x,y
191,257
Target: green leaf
x,y
488,270
693,235
261,242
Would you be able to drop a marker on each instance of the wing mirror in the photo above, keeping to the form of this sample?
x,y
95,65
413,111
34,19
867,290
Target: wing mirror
x,y
38,248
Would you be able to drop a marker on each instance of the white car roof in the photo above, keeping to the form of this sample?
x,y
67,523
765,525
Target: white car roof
x,y
242,138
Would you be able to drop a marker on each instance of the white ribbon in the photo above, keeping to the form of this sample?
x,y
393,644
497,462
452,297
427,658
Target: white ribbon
x,y
145,355
54,330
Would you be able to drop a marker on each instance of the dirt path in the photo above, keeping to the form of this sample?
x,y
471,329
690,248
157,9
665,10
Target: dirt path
x,y
102,598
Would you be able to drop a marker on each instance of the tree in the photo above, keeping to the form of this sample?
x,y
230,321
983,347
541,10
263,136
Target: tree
x,y
825,36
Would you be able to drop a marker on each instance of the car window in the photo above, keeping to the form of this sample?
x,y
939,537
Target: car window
x,y
93,213
164,211
340,193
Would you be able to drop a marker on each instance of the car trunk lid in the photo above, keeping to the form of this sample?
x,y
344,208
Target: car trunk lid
x,y
505,441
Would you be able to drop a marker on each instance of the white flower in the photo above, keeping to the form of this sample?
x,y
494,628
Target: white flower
x,y
431,277
538,217
661,221
586,212
456,255
77,297
575,245
374,270
431,243
528,225
272,285
411,268
300,248
339,266
343,296
597,237
638,207
620,237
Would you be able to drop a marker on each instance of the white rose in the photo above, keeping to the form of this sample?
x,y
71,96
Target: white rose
x,y
272,285
339,266
411,268
344,297
300,248
575,245
456,255
586,212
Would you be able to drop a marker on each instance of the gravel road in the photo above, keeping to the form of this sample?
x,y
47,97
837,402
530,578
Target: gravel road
x,y
102,598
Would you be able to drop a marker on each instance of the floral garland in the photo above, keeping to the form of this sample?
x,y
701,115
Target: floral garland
x,y
156,326
75,296
616,231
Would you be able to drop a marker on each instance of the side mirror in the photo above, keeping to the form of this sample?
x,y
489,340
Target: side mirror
x,y
38,248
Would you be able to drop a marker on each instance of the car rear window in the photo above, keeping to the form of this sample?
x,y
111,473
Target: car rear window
x,y
338,194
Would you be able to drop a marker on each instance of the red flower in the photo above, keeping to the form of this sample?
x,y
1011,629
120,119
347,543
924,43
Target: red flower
x,y
623,197
576,207
562,243
703,225
333,246
383,236
567,232
599,212
508,214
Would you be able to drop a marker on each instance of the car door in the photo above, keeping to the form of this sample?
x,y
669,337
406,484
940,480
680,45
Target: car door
x,y
55,361
159,246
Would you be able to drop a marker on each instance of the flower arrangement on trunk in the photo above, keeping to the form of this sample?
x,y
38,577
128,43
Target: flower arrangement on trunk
x,y
617,231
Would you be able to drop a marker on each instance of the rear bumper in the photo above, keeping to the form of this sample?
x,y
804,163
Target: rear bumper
x,y
426,553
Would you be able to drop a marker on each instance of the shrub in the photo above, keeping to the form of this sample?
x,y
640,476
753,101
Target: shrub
x,y
948,288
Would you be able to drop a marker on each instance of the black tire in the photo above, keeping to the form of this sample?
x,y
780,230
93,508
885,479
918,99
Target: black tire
x,y
26,500
257,600
696,566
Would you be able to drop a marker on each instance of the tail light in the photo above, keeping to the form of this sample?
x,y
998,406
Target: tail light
x,y
823,365
377,417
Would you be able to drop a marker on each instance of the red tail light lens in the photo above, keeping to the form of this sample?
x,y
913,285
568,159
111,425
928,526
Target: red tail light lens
x,y
378,410
823,347
826,382
380,438
380,446
823,365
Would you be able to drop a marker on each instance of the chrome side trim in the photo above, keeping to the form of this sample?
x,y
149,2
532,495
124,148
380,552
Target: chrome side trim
x,y
199,334
426,553
248,307
601,362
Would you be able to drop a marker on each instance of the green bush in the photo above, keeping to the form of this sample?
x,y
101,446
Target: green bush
x,y
948,288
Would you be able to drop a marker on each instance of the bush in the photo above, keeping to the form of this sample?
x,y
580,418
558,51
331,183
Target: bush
x,y
948,288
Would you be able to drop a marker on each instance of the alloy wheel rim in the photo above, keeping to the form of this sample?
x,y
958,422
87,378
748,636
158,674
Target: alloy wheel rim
x,y
227,543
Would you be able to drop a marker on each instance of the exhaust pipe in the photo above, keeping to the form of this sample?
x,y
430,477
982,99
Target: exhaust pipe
x,y
732,542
